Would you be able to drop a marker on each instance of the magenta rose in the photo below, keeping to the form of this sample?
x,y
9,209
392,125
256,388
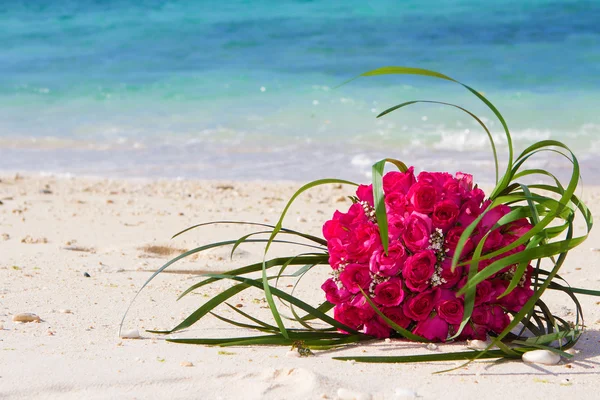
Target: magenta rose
x,y
349,315
432,328
499,319
333,294
472,331
355,276
418,269
469,211
422,196
396,203
450,278
417,232
484,292
420,306
396,226
377,327
493,241
389,293
465,180
399,181
365,193
491,217
481,315
451,310
364,241
397,316
515,300
363,305
453,192
451,241
390,264
435,179
445,214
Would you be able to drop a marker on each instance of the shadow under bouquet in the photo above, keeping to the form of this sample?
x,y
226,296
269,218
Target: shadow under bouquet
x,y
428,257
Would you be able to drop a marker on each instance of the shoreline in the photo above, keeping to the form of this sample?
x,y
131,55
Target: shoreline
x,y
107,227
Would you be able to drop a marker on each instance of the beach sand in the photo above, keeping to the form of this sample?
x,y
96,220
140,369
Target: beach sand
x,y
55,230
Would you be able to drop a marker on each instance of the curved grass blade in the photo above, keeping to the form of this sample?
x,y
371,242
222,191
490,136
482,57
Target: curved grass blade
x,y
485,128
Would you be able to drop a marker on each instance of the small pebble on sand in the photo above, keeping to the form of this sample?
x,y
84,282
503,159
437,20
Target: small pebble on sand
x,y
432,346
545,357
65,311
130,334
405,393
26,317
186,364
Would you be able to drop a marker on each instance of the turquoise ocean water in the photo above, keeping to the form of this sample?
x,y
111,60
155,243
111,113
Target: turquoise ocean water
x,y
250,89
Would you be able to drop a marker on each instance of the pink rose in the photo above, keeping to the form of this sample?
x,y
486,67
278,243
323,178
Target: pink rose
x,y
377,327
396,315
515,230
396,226
445,214
389,293
420,306
435,179
453,192
417,233
432,328
365,193
348,315
363,305
492,242
484,292
451,310
481,315
451,241
333,294
492,216
355,276
472,331
418,269
398,181
449,278
469,211
465,180
388,265
499,319
476,195
422,196
515,300
396,203
364,240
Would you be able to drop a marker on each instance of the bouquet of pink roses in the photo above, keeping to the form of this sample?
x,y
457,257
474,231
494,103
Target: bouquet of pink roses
x,y
413,282
425,258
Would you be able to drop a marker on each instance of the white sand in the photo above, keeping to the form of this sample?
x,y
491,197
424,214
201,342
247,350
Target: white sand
x,y
53,230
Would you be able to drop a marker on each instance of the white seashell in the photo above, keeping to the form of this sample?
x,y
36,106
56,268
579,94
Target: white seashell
x,y
405,393
26,317
432,346
572,351
130,334
388,340
476,344
292,354
347,394
545,357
